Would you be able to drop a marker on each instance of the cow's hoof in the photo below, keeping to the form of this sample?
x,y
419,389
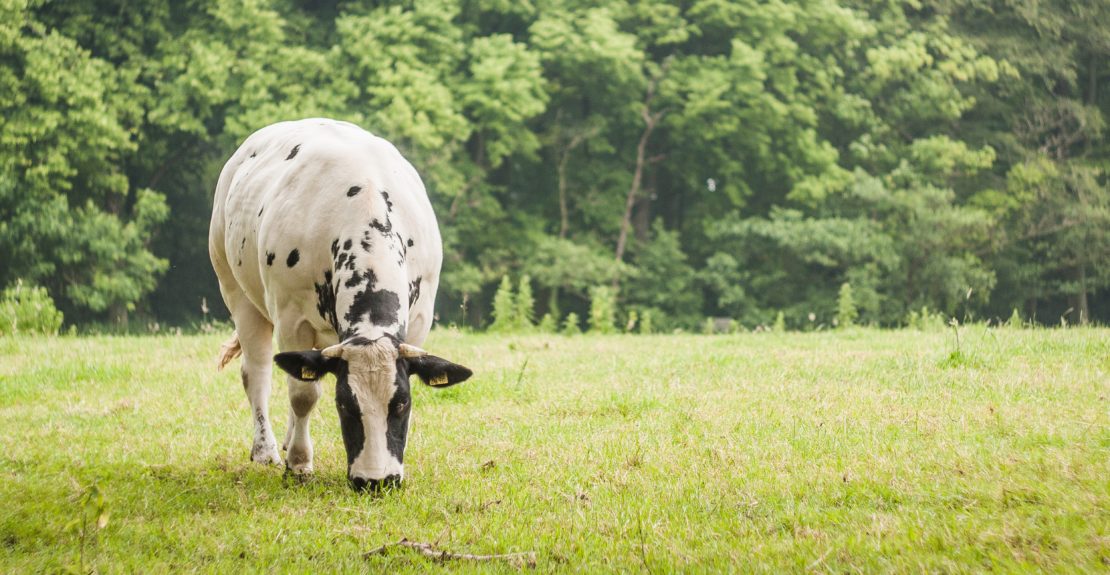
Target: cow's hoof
x,y
301,472
265,454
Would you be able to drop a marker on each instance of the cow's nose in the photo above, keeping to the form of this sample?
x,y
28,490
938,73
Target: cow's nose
x,y
375,485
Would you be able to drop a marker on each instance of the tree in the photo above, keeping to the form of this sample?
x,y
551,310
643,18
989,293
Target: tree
x,y
69,218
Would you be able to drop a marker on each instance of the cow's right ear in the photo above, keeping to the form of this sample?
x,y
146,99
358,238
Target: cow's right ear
x,y
306,365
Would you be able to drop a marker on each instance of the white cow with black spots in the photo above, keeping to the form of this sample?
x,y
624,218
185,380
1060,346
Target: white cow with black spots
x,y
323,233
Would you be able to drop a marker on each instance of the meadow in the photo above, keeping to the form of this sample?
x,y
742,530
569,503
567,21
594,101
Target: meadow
x,y
852,451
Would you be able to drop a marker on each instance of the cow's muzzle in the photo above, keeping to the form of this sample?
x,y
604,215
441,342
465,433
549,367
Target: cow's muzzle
x,y
374,485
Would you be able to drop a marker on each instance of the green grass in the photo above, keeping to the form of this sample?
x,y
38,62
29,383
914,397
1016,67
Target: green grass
x,y
859,451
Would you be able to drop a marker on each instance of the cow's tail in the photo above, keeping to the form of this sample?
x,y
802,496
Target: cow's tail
x,y
229,351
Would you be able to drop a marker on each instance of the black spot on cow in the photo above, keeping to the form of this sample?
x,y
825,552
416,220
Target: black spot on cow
x,y
397,418
353,190
294,257
359,341
411,243
242,244
347,244
350,416
379,307
334,247
270,258
325,300
414,290
293,152
240,262
388,204
341,261
386,229
260,211
355,280
253,154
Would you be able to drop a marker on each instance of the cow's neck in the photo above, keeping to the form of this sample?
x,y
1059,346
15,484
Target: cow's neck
x,y
371,296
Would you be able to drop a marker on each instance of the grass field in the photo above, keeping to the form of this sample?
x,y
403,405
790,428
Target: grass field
x,y
867,451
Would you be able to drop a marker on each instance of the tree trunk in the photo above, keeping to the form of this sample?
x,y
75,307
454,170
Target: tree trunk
x,y
562,175
637,177
117,312
641,212
576,140
651,119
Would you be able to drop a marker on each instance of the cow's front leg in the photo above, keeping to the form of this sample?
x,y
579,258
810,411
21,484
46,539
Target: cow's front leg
x,y
302,399
303,396
255,337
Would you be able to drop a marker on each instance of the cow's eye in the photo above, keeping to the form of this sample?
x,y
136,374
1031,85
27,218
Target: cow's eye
x,y
401,407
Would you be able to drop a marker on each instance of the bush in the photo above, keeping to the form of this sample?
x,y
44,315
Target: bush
x,y
548,324
645,322
28,309
846,312
633,321
926,320
504,307
570,326
603,310
780,323
524,317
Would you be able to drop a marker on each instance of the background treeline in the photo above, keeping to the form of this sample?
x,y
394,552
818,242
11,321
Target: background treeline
x,y
702,158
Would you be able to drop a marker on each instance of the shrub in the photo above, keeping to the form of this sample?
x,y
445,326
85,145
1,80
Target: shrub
x,y
633,320
504,307
570,326
926,320
846,312
780,323
28,309
645,322
603,310
524,317
548,324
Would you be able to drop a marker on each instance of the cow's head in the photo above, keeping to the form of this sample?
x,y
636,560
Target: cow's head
x,y
373,399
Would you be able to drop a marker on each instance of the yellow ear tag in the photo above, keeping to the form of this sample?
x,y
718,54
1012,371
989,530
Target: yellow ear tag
x,y
308,373
440,379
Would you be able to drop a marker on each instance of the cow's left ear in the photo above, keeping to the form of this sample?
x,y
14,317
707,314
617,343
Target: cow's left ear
x,y
438,372
306,365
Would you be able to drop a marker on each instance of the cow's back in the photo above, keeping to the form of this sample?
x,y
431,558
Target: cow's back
x,y
293,194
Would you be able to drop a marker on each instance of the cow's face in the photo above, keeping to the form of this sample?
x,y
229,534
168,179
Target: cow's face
x,y
373,399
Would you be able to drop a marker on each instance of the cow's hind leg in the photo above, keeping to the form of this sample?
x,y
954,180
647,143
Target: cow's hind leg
x,y
303,396
256,338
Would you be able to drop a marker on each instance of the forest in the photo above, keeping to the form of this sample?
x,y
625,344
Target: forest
x,y
697,159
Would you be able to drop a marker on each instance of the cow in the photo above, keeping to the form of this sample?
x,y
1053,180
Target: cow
x,y
323,233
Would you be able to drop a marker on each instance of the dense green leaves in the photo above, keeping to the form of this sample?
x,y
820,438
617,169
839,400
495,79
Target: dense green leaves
x,y
759,156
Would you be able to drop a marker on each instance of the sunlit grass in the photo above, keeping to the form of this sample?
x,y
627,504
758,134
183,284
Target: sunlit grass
x,y
865,450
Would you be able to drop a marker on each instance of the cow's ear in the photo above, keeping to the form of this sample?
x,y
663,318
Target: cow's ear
x,y
438,372
305,365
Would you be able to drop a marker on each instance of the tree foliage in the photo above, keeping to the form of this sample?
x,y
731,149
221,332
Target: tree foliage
x,y
710,158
